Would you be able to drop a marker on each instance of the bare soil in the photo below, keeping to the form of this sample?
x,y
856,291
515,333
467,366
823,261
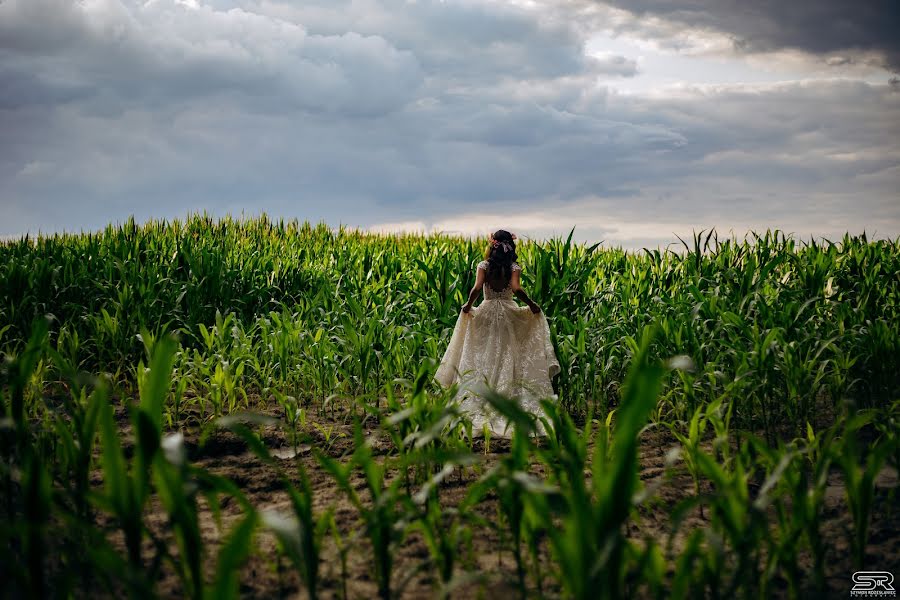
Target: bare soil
x,y
490,564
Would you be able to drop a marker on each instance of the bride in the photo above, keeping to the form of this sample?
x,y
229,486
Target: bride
x,y
499,344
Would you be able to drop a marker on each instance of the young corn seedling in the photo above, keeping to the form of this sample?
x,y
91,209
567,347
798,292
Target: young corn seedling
x,y
299,535
425,431
26,480
76,437
735,519
859,476
178,485
443,528
591,551
343,548
384,519
128,486
512,483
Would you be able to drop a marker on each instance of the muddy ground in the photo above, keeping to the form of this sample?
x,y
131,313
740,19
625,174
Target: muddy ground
x,y
492,570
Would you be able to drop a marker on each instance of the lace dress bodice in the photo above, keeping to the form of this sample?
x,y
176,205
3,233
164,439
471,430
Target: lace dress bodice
x,y
492,294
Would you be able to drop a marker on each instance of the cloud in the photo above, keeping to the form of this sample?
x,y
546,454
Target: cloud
x,y
613,64
592,222
459,40
865,30
389,113
115,54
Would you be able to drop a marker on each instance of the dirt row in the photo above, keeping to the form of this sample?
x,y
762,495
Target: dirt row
x,y
483,569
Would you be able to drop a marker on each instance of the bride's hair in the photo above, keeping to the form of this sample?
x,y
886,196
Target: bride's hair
x,y
501,252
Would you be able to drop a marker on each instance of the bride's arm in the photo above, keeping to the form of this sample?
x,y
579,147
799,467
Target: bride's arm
x,y
476,289
516,286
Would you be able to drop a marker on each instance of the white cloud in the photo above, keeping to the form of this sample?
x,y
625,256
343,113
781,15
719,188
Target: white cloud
x,y
166,51
599,220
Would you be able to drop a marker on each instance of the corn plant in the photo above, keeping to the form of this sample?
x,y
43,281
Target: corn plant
x,y
859,475
178,485
300,534
793,347
385,520
445,529
590,547
128,486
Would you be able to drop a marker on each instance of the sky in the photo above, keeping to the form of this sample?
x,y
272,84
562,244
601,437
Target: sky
x,y
631,120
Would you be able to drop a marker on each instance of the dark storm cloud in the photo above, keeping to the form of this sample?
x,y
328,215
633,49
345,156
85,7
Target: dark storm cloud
x,y
816,26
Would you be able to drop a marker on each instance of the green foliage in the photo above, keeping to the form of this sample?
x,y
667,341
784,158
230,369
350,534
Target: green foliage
x,y
787,357
322,315
383,515
590,546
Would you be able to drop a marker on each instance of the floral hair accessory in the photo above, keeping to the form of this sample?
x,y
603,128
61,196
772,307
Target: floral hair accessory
x,y
507,247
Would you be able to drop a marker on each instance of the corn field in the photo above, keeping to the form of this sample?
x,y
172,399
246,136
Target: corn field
x,y
245,408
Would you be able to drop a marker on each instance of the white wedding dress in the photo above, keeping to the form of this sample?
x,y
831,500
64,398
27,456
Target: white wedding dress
x,y
506,347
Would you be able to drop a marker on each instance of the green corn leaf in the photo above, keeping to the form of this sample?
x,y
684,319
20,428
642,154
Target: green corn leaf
x,y
234,553
115,475
159,380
